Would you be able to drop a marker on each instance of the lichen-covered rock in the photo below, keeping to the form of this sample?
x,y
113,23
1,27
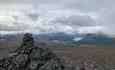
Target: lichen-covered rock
x,y
30,57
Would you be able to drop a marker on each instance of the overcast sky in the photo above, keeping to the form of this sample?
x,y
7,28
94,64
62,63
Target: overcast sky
x,y
46,16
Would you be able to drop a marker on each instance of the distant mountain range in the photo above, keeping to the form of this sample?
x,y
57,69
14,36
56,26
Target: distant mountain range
x,y
96,39
17,37
60,37
63,37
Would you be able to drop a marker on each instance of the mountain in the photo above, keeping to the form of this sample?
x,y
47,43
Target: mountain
x,y
60,36
16,37
96,39
63,37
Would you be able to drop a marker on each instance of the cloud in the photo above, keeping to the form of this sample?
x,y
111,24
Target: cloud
x,y
75,21
45,16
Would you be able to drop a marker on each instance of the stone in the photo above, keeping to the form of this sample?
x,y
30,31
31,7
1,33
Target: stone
x,y
30,57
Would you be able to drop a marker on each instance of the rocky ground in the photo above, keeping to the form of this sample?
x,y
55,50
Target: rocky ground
x,y
100,58
92,58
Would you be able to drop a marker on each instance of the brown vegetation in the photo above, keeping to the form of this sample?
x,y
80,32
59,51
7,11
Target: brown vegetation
x,y
91,56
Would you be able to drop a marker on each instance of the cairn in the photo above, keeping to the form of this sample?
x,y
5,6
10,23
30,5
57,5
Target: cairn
x,y
30,57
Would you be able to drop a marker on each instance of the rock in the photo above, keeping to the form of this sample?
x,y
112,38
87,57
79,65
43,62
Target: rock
x,y
30,57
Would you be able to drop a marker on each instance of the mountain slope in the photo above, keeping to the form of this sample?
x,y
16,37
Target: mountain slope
x,y
96,39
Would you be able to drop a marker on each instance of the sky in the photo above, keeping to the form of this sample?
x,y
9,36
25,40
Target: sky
x,y
47,16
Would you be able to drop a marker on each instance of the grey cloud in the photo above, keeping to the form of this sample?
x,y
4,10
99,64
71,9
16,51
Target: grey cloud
x,y
75,21
90,5
15,17
34,2
16,26
85,5
33,16
22,13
